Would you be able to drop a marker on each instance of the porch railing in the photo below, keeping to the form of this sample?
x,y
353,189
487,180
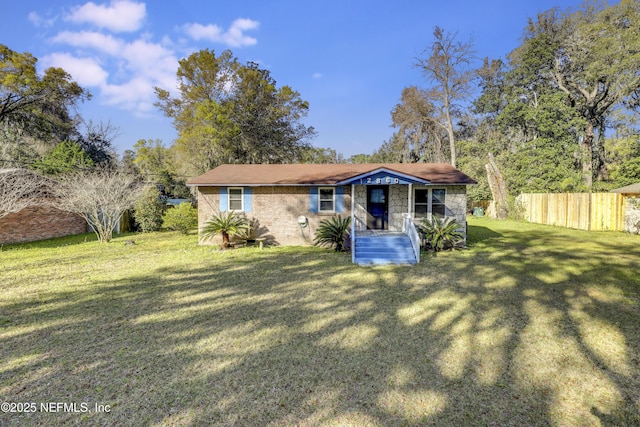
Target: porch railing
x,y
409,228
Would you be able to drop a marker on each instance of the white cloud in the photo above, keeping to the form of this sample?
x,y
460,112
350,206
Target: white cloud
x,y
90,39
135,68
122,71
233,37
143,55
118,16
134,95
39,21
85,71
317,75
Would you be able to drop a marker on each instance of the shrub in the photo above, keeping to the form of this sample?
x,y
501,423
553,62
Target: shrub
x,y
182,218
333,232
440,234
148,210
225,223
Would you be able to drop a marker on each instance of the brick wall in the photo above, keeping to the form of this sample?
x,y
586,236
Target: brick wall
x,y
275,210
39,223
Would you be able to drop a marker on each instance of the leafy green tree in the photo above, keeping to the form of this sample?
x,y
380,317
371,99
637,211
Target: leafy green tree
x,y
359,159
156,165
128,162
525,122
34,108
204,81
629,172
65,157
592,57
267,120
319,155
228,112
150,157
493,98
149,209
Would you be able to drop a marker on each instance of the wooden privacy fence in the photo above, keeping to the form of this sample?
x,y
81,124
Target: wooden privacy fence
x,y
583,211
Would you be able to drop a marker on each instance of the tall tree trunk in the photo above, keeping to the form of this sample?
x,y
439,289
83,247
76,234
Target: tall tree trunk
x,y
587,155
498,188
450,132
600,164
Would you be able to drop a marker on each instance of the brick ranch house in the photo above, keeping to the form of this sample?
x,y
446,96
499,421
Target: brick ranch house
x,y
288,201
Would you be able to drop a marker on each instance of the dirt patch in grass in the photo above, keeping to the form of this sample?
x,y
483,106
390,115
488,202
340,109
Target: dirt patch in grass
x,y
531,325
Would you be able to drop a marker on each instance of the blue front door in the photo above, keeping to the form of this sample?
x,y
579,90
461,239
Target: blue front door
x,y
377,207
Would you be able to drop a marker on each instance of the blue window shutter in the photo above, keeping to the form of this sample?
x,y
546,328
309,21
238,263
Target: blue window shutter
x,y
224,199
313,199
339,199
247,199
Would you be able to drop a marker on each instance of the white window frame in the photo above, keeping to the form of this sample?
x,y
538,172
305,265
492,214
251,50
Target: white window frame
x,y
241,198
444,202
415,201
429,201
333,200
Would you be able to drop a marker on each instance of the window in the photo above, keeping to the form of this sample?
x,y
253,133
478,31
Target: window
x,y
377,195
429,203
437,202
421,203
235,199
327,199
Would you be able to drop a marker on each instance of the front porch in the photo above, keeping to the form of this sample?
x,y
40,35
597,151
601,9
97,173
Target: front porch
x,y
384,205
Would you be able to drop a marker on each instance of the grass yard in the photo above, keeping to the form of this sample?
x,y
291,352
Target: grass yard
x,y
531,325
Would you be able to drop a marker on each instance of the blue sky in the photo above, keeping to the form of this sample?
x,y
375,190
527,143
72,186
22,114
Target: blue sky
x,y
349,59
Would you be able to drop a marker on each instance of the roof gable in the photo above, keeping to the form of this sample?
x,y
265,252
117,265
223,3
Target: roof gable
x,y
629,189
383,176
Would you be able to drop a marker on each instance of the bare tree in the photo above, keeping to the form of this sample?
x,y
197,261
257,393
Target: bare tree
x,y
416,118
19,189
100,196
446,65
97,140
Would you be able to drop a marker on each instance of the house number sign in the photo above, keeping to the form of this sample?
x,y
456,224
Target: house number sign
x,y
379,181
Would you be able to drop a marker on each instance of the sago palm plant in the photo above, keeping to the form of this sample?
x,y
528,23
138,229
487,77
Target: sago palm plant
x,y
332,232
439,234
225,223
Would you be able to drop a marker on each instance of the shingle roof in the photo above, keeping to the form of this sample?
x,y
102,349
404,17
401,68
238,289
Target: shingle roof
x,y
629,189
323,174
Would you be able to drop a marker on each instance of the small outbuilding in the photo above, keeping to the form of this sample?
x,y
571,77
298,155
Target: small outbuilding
x,y
631,195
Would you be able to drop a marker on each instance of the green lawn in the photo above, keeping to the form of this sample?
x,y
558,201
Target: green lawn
x,y
531,325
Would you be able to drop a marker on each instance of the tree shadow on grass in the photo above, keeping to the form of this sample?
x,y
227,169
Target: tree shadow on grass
x,y
516,332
